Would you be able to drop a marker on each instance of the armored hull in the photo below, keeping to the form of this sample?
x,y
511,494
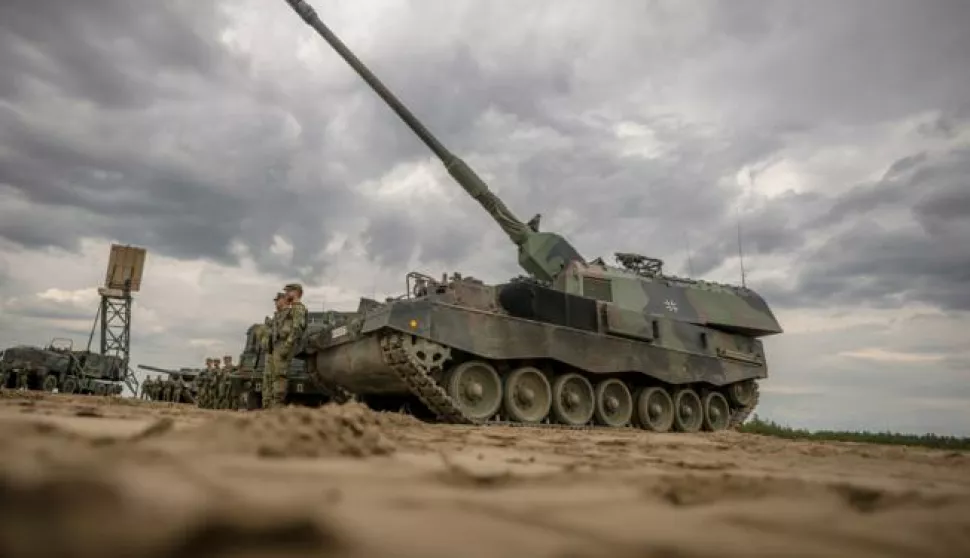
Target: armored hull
x,y
530,354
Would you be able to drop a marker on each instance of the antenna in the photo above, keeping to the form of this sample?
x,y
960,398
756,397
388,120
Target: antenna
x,y
740,250
123,277
690,261
94,326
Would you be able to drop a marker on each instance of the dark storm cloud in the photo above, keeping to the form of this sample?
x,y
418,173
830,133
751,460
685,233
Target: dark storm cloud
x,y
110,52
867,261
48,309
849,63
189,148
390,240
179,151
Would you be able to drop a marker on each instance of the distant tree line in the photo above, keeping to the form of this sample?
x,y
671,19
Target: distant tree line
x,y
758,425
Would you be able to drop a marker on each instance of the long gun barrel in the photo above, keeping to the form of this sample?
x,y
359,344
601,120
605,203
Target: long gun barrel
x,y
541,254
155,369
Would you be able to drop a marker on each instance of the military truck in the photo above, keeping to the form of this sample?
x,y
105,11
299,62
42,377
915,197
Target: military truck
x,y
574,343
58,367
241,387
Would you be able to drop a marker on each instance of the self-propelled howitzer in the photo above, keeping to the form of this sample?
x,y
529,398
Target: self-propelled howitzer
x,y
587,342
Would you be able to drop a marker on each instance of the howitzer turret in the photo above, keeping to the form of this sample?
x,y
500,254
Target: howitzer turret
x,y
541,254
588,342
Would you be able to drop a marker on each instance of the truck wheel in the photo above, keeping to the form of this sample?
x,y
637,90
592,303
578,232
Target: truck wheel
x,y
50,383
70,385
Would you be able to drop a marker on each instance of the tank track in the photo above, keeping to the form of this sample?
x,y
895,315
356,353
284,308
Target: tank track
x,y
437,400
338,394
740,415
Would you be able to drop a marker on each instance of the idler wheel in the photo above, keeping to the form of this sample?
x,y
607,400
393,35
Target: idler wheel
x,y
614,403
528,396
717,412
742,393
573,400
688,411
476,388
655,409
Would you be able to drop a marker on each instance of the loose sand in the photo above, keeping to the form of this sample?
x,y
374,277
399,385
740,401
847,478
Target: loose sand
x,y
109,477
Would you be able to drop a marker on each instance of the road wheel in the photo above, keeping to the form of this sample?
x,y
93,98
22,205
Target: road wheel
x,y
528,396
573,400
476,388
688,411
717,412
655,409
614,403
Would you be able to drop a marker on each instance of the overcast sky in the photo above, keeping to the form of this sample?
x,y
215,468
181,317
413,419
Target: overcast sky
x,y
232,143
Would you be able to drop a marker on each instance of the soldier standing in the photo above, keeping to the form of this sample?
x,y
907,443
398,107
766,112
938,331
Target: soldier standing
x,y
268,349
287,333
280,301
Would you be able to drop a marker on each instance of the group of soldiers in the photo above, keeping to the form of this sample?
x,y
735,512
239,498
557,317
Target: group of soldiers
x,y
211,389
173,390
279,338
212,364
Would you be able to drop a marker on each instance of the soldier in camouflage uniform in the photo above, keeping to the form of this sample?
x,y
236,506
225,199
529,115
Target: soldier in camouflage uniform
x,y
227,399
288,331
267,341
264,333
204,386
218,387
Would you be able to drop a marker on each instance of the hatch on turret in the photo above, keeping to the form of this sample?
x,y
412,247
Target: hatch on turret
x,y
641,287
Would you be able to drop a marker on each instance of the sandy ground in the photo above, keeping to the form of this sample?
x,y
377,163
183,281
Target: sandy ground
x,y
88,476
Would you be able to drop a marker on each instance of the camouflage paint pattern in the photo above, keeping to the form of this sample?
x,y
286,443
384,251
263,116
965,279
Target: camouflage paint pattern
x,y
60,367
172,386
642,338
243,387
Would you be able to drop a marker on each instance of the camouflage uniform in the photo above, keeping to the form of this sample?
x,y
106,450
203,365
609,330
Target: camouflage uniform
x,y
227,398
262,333
267,342
288,331
280,302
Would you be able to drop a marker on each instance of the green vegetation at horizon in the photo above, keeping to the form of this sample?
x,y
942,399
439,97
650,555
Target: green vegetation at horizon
x,y
763,427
